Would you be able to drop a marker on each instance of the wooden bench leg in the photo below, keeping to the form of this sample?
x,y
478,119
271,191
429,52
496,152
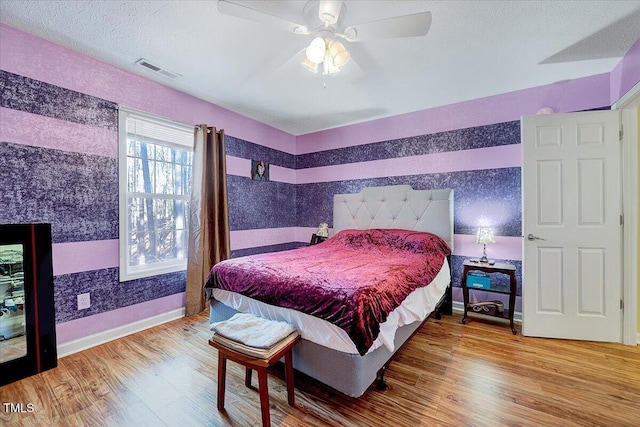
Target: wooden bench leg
x,y
288,372
222,373
264,397
247,377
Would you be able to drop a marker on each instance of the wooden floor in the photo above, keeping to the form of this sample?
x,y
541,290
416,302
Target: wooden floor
x,y
450,374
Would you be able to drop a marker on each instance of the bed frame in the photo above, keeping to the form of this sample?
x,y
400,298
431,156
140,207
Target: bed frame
x,y
397,206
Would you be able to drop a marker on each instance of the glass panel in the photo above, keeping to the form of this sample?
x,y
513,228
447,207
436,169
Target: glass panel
x,y
180,214
187,180
13,341
181,244
178,180
164,185
163,154
136,229
147,150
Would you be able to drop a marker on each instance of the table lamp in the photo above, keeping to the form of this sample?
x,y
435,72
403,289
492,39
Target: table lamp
x,y
485,236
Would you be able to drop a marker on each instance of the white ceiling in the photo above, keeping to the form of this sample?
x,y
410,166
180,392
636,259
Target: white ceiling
x,y
474,49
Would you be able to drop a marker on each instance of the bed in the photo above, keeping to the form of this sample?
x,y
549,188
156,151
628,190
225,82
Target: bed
x,y
346,343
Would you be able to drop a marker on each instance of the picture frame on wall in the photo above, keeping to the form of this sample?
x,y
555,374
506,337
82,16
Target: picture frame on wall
x,y
259,170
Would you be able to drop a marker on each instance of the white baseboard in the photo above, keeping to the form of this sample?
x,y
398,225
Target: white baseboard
x,y
102,337
458,307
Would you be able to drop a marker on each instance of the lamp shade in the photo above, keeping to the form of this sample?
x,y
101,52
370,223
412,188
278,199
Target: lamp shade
x,y
338,53
485,236
311,66
316,50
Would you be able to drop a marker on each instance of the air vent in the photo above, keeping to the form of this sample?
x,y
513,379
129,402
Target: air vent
x,y
156,69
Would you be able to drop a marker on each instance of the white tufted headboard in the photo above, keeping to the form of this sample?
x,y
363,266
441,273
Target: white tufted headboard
x,y
396,206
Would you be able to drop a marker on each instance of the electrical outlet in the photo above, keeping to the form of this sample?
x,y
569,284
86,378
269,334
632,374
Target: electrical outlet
x,y
84,301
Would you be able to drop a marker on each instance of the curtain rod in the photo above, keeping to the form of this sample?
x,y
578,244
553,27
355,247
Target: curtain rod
x,y
209,129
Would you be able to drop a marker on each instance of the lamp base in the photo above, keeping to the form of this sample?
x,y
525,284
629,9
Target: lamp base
x,y
484,258
479,260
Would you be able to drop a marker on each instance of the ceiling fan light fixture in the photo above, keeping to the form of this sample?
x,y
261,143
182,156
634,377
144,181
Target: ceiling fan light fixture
x,y
311,66
339,55
316,50
328,66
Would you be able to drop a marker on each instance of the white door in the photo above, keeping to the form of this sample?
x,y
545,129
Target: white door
x,y
572,206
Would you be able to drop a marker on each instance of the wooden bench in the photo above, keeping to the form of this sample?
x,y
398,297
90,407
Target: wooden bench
x,y
260,364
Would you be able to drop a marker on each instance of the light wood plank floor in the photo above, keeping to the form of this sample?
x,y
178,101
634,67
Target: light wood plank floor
x,y
450,374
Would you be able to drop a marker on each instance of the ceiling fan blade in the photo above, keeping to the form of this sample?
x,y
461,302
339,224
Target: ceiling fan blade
x,y
245,12
413,25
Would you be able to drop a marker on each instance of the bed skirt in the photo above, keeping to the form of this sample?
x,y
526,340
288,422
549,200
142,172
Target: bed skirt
x,y
350,374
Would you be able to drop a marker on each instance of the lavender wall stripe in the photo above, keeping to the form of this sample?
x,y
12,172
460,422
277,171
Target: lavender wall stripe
x,y
506,247
265,249
626,74
33,96
94,324
74,257
454,140
243,239
25,128
77,194
107,293
504,156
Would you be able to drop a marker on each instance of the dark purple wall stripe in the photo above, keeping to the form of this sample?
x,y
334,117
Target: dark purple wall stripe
x,y
248,150
455,140
33,96
76,193
492,193
256,204
107,293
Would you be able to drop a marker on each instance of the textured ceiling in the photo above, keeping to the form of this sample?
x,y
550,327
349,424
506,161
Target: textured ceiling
x,y
474,49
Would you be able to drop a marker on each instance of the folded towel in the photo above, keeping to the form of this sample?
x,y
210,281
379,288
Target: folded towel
x,y
260,353
253,331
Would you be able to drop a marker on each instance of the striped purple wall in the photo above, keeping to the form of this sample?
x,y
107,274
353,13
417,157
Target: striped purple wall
x,y
63,168
58,142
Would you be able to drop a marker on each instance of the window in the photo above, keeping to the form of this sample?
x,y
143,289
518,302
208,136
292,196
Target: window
x,y
155,161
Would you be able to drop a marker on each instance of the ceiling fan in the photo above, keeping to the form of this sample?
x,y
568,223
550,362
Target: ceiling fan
x,y
324,21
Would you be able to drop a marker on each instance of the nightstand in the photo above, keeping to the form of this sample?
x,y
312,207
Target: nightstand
x,y
498,267
315,239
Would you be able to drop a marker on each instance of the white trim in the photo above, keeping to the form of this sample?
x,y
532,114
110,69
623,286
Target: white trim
x,y
630,236
629,103
154,118
630,99
127,272
121,331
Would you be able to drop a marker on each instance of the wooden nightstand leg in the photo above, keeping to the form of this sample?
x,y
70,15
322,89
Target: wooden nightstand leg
x,y
512,300
465,294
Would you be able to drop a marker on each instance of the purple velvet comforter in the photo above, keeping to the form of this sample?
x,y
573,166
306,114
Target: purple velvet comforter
x,y
353,280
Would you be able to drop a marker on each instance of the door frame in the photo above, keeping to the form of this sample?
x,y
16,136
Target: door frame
x,y
629,105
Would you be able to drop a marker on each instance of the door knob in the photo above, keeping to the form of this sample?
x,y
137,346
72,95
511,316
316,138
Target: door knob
x,y
531,237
